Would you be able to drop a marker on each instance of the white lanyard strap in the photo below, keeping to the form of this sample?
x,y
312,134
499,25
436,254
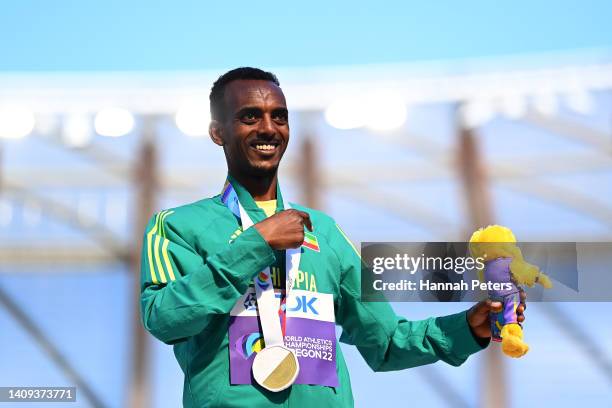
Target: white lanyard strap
x,y
267,303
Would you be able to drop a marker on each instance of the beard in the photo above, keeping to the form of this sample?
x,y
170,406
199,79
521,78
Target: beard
x,y
252,168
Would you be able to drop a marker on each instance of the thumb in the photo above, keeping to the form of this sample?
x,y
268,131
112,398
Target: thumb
x,y
495,306
306,220
488,306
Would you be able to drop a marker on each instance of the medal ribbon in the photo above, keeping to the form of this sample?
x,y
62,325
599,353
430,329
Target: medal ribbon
x,y
268,306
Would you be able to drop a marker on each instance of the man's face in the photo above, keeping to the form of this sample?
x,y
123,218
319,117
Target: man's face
x,y
255,129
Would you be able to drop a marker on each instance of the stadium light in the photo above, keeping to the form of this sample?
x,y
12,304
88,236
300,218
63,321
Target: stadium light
x,y
386,111
77,130
16,122
346,113
113,122
380,111
192,118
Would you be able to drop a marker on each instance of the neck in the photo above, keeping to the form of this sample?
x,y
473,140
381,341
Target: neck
x,y
261,188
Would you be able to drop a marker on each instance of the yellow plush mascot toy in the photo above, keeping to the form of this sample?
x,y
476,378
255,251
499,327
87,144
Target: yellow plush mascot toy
x,y
504,263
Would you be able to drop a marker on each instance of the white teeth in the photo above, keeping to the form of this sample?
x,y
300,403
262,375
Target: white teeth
x,y
264,147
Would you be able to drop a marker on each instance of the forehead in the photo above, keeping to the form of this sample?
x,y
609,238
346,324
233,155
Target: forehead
x,y
248,92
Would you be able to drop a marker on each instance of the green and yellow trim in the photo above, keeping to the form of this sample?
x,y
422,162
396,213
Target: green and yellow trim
x,y
348,240
155,236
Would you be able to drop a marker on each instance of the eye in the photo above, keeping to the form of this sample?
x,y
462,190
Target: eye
x,y
280,117
248,117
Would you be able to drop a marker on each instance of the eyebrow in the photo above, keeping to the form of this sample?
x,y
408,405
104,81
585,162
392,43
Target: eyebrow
x,y
283,110
255,109
248,109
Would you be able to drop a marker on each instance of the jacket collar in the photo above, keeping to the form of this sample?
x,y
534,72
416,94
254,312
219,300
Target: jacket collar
x,y
247,201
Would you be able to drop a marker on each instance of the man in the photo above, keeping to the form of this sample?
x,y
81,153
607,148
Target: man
x,y
199,263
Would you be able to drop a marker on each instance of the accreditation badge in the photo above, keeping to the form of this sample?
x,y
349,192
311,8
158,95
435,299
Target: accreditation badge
x,y
310,334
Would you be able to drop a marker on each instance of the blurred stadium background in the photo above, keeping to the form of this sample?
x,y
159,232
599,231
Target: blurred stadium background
x,y
409,123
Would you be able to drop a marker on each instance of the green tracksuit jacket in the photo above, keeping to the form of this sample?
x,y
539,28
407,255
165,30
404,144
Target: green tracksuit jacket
x,y
196,263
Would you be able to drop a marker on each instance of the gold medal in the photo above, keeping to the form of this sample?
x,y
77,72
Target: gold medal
x,y
275,368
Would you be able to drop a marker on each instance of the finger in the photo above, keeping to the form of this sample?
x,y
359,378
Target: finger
x,y
306,220
482,307
520,309
520,318
496,307
486,306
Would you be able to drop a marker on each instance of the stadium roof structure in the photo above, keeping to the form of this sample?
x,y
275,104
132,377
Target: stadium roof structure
x,y
488,79
534,90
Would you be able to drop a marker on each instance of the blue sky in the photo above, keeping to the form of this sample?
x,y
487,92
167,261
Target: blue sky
x,y
162,35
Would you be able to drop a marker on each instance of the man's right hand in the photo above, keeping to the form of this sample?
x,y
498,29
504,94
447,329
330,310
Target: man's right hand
x,y
284,229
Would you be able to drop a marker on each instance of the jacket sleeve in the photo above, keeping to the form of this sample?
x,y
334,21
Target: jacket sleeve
x,y
180,290
388,342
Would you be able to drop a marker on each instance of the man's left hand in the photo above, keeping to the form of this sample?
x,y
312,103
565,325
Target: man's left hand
x,y
478,315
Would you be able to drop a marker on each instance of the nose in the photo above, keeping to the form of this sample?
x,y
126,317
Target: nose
x,y
267,126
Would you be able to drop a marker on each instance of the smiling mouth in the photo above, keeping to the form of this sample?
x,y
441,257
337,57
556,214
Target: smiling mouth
x,y
265,147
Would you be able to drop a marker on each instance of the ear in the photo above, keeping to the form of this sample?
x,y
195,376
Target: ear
x,y
215,131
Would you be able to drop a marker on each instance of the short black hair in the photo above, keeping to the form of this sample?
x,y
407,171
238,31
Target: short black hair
x,y
218,89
